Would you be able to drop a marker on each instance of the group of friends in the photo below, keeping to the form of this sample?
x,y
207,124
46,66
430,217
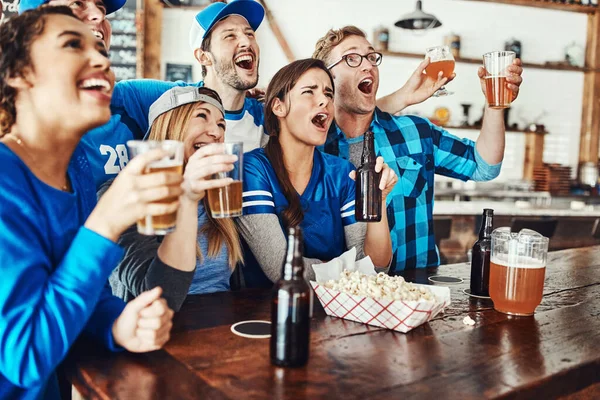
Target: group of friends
x,y
71,259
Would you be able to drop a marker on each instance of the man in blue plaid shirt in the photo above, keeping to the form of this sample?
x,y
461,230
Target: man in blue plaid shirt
x,y
412,146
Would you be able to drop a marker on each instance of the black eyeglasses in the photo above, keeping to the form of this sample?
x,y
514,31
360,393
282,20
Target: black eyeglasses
x,y
354,59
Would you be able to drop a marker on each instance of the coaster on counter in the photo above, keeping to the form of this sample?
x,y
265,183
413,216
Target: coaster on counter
x,y
252,329
467,291
442,279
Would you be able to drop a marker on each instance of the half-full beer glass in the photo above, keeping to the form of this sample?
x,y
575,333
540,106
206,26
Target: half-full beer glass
x,y
173,162
517,270
496,65
440,60
226,201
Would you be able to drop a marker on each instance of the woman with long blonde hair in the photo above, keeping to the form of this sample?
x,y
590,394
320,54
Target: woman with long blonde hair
x,y
199,256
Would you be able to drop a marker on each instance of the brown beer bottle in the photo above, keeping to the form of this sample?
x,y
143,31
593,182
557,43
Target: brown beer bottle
x,y
480,261
290,305
368,194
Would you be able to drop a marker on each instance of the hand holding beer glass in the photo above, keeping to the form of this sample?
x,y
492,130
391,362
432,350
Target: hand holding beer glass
x,y
226,201
497,77
441,60
173,162
517,270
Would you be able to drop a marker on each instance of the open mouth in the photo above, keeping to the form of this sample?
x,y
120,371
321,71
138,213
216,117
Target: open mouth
x,y
199,145
366,86
245,61
95,84
320,120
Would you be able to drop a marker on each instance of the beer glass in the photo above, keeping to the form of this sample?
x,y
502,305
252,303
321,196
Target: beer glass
x,y
517,270
496,65
173,162
226,201
440,60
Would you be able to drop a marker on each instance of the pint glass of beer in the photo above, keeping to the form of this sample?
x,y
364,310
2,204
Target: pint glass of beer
x,y
226,201
496,65
517,270
173,162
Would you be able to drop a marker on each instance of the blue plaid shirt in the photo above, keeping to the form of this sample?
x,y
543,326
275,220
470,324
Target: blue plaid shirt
x,y
416,150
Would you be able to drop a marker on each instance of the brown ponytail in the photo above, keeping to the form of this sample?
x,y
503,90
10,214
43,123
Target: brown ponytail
x,y
281,84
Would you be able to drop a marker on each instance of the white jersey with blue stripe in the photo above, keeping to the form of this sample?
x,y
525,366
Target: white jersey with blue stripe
x,y
327,201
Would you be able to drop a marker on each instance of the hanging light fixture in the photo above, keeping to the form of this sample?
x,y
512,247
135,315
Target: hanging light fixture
x,y
418,20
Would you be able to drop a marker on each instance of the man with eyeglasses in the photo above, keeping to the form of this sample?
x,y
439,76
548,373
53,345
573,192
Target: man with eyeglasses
x,y
412,146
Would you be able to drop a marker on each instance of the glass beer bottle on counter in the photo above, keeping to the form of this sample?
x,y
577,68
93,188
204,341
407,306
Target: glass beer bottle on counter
x,y
290,308
480,261
368,195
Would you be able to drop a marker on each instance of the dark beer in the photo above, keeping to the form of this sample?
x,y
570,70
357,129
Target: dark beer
x,y
368,194
290,308
480,260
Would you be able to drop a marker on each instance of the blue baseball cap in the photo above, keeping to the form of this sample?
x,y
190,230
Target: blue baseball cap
x,y
206,19
111,5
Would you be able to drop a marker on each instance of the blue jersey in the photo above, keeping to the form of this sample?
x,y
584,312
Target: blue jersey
x,y
53,273
106,146
327,201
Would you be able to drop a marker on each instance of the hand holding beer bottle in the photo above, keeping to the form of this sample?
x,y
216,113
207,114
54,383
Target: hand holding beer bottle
x,y
374,181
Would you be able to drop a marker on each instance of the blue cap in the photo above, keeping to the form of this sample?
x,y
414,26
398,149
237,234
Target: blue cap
x,y
206,19
111,5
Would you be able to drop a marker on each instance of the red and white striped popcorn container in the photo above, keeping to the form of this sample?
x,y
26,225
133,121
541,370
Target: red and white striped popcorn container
x,y
397,315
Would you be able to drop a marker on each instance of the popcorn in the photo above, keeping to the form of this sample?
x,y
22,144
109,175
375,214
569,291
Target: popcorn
x,y
381,286
468,321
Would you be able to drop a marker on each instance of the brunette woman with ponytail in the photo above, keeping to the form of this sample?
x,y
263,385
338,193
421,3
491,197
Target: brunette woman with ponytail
x,y
290,183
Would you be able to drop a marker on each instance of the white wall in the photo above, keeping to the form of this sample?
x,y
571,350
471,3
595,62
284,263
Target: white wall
x,y
482,26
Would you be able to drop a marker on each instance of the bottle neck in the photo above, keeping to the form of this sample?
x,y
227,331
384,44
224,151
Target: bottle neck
x,y
368,154
293,267
486,227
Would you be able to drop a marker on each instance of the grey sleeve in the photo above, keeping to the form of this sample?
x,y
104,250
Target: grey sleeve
x,y
141,269
267,241
355,237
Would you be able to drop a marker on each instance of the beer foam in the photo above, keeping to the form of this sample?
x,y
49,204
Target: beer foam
x,y
517,262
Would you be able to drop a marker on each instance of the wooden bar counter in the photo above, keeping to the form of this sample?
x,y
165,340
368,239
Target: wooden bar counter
x,y
554,354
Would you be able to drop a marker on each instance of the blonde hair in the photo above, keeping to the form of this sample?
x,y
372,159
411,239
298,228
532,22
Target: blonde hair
x,y
332,38
172,125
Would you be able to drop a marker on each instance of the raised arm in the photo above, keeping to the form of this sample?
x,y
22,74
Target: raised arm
x,y
417,89
490,143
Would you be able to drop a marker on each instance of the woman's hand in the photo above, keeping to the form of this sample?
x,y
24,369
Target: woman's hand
x,y
145,323
388,178
133,195
201,166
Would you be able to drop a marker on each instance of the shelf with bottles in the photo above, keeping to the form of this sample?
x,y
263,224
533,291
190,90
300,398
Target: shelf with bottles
x,y
548,66
579,6
478,128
